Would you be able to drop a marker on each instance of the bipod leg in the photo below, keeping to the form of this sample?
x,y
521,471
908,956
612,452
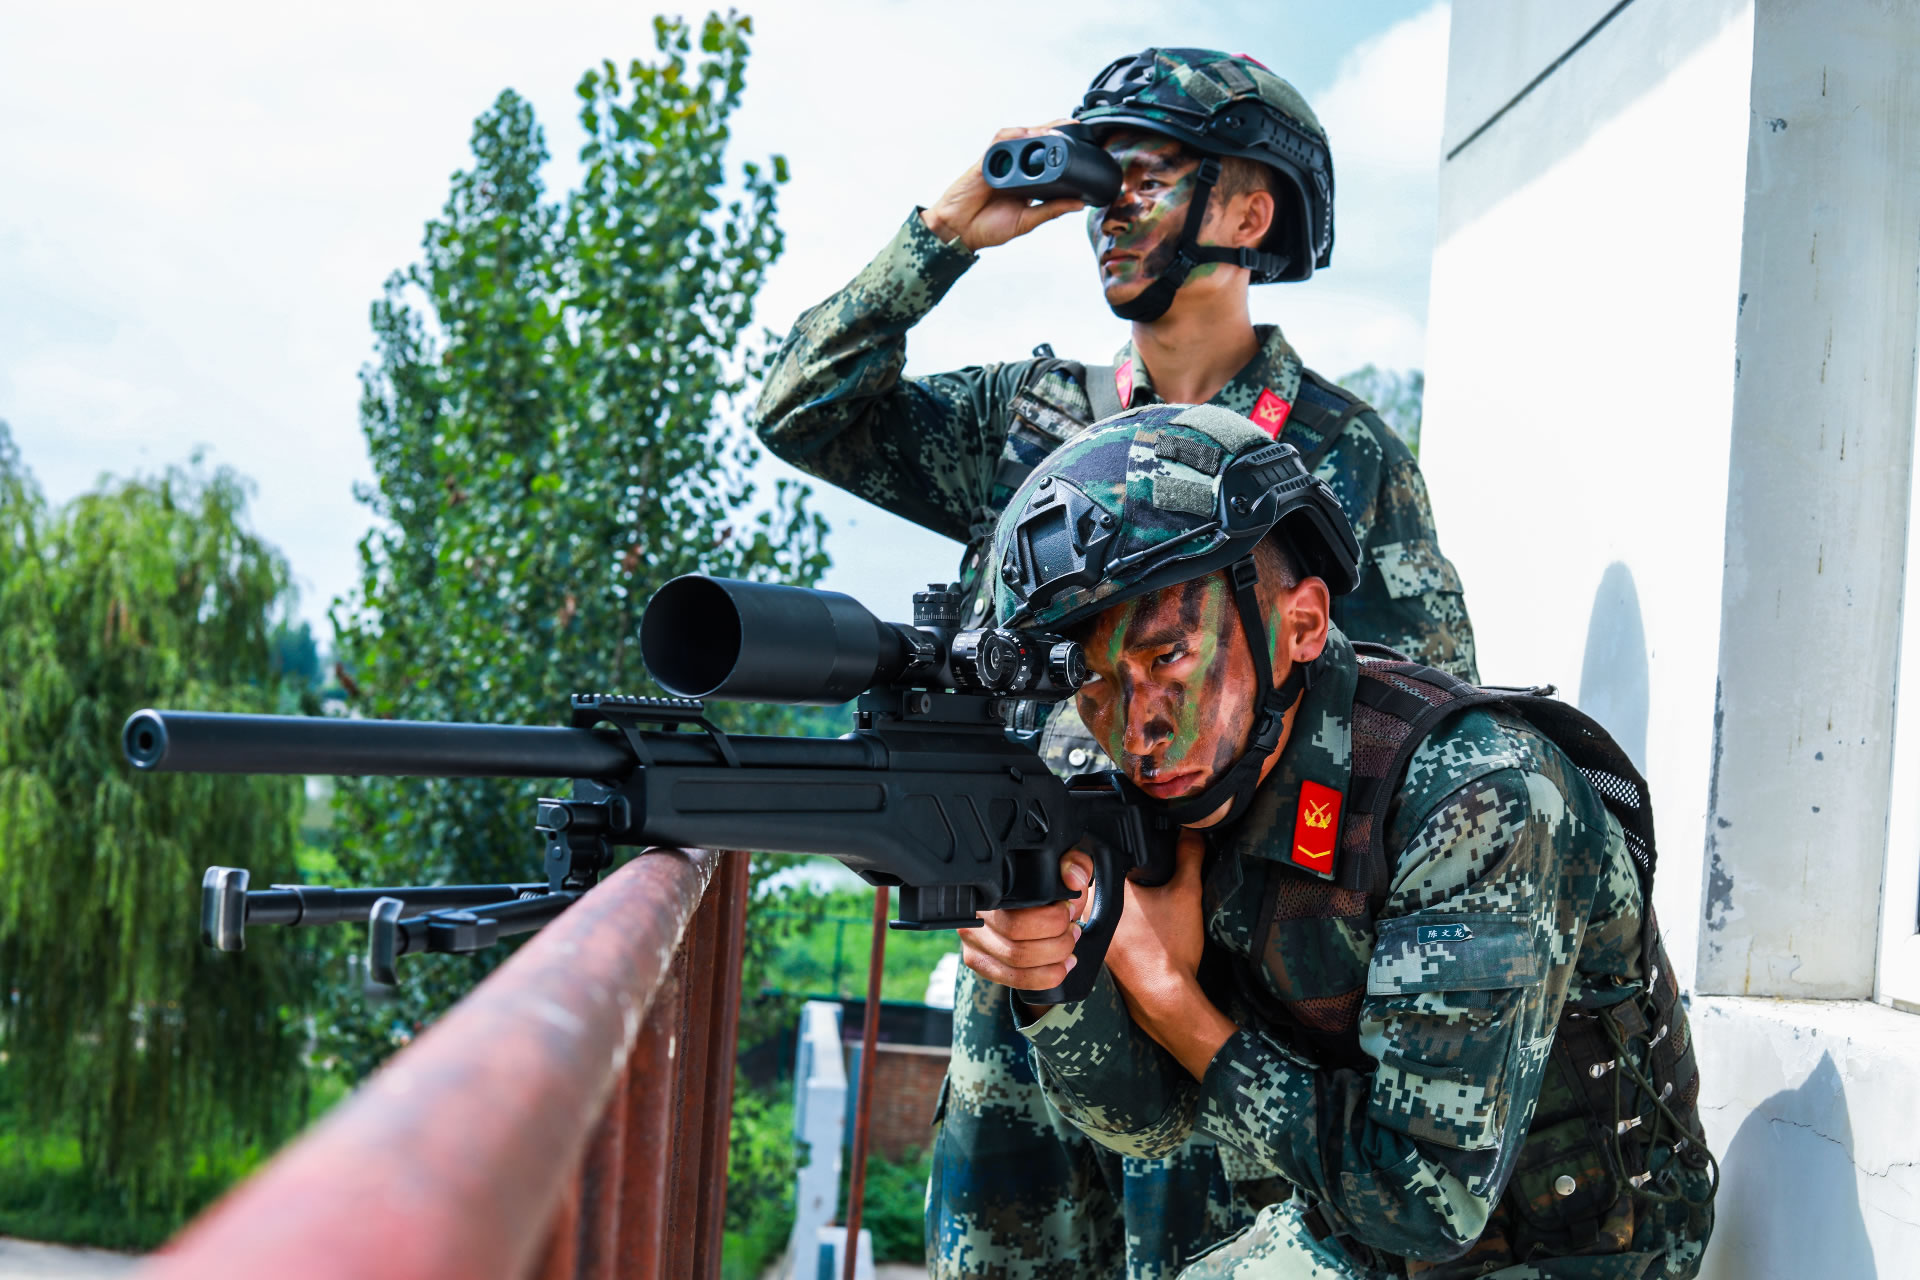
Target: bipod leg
x,y
454,931
228,907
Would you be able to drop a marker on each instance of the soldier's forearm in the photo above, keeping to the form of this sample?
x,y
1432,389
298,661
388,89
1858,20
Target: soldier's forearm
x,y
847,352
1312,1124
1181,1020
1105,1075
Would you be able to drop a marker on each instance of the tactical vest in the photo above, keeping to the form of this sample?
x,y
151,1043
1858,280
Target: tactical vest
x,y
1618,1105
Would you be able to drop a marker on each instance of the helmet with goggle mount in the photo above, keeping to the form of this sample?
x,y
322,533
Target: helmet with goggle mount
x,y
1161,495
1218,105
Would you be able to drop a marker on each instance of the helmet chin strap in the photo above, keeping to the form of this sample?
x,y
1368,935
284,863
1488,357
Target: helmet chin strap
x,y
1238,783
1152,302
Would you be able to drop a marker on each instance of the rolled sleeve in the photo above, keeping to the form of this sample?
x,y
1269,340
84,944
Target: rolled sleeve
x,y
835,403
1108,1077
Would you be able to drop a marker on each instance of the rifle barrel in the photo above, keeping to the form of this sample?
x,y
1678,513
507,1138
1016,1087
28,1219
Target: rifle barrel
x,y
220,742
217,742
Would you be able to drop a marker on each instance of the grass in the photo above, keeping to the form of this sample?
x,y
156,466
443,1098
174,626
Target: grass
x,y
828,956
47,1194
761,1158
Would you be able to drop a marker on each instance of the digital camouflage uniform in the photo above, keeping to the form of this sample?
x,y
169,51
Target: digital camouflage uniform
x,y
1016,1191
1415,1158
1386,1107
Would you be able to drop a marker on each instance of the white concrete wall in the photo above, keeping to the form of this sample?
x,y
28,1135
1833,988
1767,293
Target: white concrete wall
x,y
1584,431
1816,542
1579,386
1812,1108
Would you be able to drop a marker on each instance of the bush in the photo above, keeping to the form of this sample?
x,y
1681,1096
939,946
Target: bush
x,y
896,1205
761,1162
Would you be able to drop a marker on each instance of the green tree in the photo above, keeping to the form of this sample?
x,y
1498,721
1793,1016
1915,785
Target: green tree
x,y
1397,394
136,1041
295,655
552,422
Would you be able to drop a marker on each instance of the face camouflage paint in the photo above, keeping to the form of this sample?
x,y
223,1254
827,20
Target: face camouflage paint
x,y
1134,238
1173,698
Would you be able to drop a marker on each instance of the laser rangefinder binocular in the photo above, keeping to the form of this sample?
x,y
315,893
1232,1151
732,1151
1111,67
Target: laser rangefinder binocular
x,y
1066,162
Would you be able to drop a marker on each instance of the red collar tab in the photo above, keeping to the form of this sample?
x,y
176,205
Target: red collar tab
x,y
1123,382
1316,829
1270,412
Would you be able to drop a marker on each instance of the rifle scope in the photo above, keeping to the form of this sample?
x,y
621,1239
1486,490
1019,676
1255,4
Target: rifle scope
x,y
707,637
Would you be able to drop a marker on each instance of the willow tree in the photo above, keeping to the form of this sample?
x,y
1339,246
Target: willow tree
x,y
553,420
123,1031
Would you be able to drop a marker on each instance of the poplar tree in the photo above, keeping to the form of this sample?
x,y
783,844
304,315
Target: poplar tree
x,y
120,1029
554,421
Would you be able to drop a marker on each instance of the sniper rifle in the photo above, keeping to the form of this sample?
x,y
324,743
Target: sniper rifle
x,y
929,793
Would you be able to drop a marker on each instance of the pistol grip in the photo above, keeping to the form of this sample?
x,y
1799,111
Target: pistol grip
x,y
1109,900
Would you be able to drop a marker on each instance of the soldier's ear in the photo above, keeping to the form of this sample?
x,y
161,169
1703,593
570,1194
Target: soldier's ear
x,y
1253,213
1305,613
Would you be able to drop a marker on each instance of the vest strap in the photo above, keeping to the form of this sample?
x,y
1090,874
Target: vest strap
x,y
1102,394
1322,421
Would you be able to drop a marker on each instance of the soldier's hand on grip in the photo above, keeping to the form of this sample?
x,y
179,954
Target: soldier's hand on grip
x,y
1030,948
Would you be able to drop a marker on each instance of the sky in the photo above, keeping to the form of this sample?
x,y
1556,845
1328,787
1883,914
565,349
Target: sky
x,y
198,202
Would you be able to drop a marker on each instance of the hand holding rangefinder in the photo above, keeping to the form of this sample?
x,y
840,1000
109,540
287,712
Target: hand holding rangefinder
x,y
1049,166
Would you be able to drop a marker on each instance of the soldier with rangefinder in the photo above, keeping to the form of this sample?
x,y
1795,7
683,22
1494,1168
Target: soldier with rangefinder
x,y
1220,178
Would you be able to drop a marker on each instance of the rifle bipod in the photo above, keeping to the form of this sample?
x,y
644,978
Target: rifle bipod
x,y
451,917
454,918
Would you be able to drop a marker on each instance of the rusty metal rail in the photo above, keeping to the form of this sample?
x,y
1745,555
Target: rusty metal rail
x,y
567,1119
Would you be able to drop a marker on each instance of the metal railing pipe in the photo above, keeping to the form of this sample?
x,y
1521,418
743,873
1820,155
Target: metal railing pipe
x,y
453,1162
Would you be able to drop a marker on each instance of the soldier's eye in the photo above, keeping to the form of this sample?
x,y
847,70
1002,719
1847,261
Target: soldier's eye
x,y
1171,656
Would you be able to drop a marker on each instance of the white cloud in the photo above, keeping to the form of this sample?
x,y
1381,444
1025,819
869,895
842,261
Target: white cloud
x,y
198,201
1384,107
1382,114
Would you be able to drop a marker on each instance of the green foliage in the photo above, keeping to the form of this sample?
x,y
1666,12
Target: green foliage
x,y
295,655
817,943
1398,395
761,1162
550,419
144,1048
894,1205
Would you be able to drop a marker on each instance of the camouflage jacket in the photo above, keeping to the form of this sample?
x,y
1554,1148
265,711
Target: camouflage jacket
x,y
947,451
1513,892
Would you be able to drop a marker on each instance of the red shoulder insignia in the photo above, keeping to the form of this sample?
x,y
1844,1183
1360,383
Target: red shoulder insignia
x,y
1316,829
1270,412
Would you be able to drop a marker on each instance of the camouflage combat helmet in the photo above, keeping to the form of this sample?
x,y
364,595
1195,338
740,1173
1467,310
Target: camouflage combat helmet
x,y
1161,495
1220,104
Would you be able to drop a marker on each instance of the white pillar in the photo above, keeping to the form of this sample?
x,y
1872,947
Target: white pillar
x,y
819,1120
1820,476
